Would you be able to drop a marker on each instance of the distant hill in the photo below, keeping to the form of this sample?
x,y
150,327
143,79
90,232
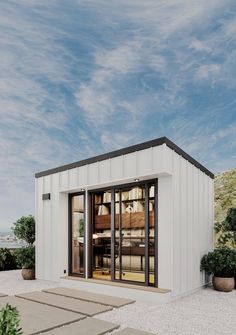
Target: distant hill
x,y
225,193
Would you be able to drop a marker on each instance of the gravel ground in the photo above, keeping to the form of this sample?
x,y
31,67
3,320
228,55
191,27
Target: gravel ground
x,y
11,283
206,312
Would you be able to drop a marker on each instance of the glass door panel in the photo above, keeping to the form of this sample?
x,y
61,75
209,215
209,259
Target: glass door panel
x,y
151,242
133,234
117,234
77,207
102,235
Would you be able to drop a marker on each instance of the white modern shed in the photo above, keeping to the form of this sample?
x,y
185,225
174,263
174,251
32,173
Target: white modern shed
x,y
141,216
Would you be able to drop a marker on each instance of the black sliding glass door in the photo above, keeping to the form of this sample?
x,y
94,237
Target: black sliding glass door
x,y
124,234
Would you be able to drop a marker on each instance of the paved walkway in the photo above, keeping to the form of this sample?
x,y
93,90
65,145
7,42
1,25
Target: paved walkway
x,y
204,313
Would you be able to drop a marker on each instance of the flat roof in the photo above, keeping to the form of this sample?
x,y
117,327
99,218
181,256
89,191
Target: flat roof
x,y
128,150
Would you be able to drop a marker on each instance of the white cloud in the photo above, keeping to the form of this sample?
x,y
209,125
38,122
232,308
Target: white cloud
x,y
137,64
208,70
120,60
200,46
158,63
30,59
98,98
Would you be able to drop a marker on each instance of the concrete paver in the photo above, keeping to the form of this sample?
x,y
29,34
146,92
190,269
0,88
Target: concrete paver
x,y
36,318
89,296
69,304
89,326
2,295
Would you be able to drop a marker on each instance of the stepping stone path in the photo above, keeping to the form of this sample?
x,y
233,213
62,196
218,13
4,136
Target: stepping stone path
x,y
62,311
91,297
69,304
37,318
89,326
2,295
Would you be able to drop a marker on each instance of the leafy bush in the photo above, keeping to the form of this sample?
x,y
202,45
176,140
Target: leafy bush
x,y
7,260
230,221
25,257
9,321
227,230
220,262
24,229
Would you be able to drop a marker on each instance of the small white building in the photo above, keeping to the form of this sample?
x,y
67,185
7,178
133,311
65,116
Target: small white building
x,y
142,215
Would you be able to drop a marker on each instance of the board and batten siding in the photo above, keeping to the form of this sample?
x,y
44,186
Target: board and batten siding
x,y
185,213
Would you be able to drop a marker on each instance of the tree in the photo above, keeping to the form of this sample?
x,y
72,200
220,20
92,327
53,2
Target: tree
x,y
24,229
227,230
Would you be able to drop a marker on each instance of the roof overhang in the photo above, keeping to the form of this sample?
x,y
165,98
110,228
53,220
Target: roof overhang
x,y
125,151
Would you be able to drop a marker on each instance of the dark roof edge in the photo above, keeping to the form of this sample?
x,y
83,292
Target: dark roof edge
x,y
127,150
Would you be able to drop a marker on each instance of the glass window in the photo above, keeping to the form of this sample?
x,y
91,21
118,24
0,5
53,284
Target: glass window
x,y
102,235
77,207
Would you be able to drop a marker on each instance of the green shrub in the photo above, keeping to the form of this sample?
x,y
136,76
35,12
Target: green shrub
x,y
24,229
7,260
9,321
220,262
25,257
230,221
226,230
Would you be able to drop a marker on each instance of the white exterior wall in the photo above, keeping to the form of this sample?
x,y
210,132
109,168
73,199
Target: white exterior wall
x,y
185,213
192,216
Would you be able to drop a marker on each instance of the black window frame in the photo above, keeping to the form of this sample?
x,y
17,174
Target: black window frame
x,y
112,188
70,232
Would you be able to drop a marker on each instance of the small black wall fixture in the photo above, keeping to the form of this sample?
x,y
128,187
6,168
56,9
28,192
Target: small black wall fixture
x,y
46,196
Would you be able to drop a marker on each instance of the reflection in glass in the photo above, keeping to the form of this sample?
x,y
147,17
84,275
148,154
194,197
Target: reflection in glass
x,y
102,235
131,245
130,234
77,204
151,235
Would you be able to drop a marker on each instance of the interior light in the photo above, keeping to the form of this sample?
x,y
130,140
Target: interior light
x,y
136,179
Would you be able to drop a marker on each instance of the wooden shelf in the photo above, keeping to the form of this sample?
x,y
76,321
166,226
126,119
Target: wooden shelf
x,y
129,220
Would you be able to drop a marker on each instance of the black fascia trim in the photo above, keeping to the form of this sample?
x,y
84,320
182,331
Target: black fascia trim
x,y
186,156
125,151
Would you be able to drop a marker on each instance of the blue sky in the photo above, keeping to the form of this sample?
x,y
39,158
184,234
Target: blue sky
x,y
79,78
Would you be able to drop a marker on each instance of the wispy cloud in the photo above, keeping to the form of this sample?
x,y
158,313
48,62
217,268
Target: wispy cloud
x,y
84,77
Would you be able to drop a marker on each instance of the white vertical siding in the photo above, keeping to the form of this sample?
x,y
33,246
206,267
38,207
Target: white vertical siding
x,y
93,173
144,162
73,177
176,226
130,165
83,176
63,233
192,197
55,230
165,246
104,170
117,168
185,213
64,180
47,212
39,229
